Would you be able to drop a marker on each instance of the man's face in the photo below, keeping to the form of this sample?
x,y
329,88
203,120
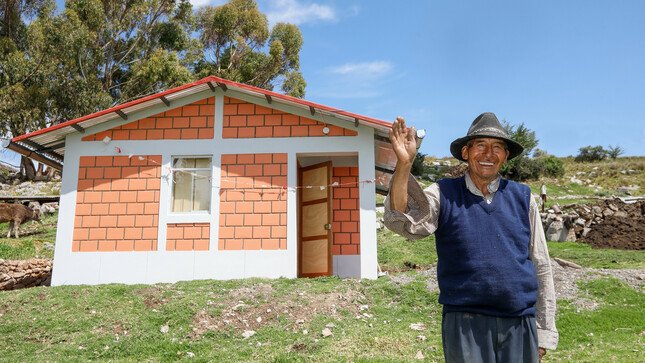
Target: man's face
x,y
485,156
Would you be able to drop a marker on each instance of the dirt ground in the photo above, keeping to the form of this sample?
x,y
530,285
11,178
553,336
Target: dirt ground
x,y
627,233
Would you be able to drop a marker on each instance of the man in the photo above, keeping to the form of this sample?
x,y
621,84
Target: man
x,y
543,196
494,272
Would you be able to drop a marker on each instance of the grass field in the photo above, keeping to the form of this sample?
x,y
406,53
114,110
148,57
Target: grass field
x,y
36,239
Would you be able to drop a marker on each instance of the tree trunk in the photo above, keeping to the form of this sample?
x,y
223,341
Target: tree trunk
x,y
28,167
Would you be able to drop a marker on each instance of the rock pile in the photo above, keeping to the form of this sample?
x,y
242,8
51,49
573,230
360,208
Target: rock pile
x,y
609,223
17,274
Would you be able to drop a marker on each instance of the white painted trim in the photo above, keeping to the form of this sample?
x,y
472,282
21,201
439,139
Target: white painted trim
x,y
367,197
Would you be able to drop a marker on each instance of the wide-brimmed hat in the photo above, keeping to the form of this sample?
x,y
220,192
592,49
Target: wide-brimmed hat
x,y
486,125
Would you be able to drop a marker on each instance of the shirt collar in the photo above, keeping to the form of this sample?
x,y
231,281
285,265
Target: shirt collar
x,y
492,187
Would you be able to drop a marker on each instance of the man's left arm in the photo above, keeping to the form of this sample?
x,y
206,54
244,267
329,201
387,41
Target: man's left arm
x,y
546,304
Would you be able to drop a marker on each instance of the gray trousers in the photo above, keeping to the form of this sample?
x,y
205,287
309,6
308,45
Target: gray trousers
x,y
476,338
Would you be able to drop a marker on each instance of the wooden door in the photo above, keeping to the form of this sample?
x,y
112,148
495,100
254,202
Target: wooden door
x,y
314,232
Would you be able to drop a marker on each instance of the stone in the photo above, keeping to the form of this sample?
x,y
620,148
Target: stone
x,y
621,214
556,208
580,221
596,210
418,326
585,231
327,333
554,230
607,212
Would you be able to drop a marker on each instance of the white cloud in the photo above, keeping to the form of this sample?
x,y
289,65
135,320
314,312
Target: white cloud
x,y
199,3
295,12
363,70
364,80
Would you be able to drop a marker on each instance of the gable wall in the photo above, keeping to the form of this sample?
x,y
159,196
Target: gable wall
x,y
247,120
194,121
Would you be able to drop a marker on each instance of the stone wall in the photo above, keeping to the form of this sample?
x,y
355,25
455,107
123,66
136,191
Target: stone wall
x,y
582,221
17,274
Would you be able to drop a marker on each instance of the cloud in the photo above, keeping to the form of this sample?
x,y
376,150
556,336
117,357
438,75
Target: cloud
x,y
295,12
362,80
199,3
362,70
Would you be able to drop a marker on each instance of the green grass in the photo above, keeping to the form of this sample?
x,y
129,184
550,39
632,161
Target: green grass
x,y
32,241
586,256
122,322
395,253
611,333
90,323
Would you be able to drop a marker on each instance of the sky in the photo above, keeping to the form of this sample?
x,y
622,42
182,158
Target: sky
x,y
572,71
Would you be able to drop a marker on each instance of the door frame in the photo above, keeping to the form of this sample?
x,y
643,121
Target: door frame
x,y
330,234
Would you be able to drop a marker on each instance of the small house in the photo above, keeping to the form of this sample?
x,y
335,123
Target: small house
x,y
214,180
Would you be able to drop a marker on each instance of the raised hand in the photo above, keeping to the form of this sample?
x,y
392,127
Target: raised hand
x,y
404,142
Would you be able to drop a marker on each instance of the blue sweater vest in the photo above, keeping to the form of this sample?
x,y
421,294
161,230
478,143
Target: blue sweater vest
x,y
483,251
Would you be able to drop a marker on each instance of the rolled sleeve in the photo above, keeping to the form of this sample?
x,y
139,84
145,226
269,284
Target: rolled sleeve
x,y
421,215
548,335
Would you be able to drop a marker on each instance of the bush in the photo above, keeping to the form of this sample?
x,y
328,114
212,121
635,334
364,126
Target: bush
x,y
615,151
521,168
524,167
418,168
551,166
591,153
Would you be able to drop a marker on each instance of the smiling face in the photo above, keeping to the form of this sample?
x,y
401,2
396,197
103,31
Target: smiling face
x,y
485,156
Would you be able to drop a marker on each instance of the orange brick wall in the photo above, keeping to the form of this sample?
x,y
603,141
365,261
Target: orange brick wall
x,y
188,237
194,121
247,120
253,202
346,211
117,204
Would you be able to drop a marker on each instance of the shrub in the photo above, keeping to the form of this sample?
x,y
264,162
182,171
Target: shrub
x,y
591,153
551,166
418,167
615,151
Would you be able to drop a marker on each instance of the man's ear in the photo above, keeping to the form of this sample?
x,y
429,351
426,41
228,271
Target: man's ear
x,y
464,152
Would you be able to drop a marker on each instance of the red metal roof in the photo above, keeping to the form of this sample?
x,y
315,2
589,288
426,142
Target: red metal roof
x,y
373,122
48,145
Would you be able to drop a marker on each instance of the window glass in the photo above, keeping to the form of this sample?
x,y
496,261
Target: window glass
x,y
191,184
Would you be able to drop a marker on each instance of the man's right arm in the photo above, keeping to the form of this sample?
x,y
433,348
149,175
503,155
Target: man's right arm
x,y
420,215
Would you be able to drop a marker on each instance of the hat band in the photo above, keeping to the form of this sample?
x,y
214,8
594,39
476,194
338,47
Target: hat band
x,y
489,130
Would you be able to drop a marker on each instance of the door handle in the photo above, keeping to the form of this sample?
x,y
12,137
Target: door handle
x,y
328,226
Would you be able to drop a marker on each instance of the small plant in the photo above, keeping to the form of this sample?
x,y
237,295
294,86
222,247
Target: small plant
x,y
615,151
591,153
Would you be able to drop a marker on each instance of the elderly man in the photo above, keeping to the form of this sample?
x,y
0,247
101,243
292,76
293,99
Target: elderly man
x,y
494,272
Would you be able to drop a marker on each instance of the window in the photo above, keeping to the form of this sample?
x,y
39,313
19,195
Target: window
x,y
191,189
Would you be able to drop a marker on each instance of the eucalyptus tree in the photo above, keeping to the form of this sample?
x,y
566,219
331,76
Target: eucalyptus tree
x,y
238,46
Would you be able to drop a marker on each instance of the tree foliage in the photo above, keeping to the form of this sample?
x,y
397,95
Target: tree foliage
x,y
591,153
615,151
97,53
234,37
523,167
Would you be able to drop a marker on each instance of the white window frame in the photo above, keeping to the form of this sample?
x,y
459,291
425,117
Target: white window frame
x,y
172,181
